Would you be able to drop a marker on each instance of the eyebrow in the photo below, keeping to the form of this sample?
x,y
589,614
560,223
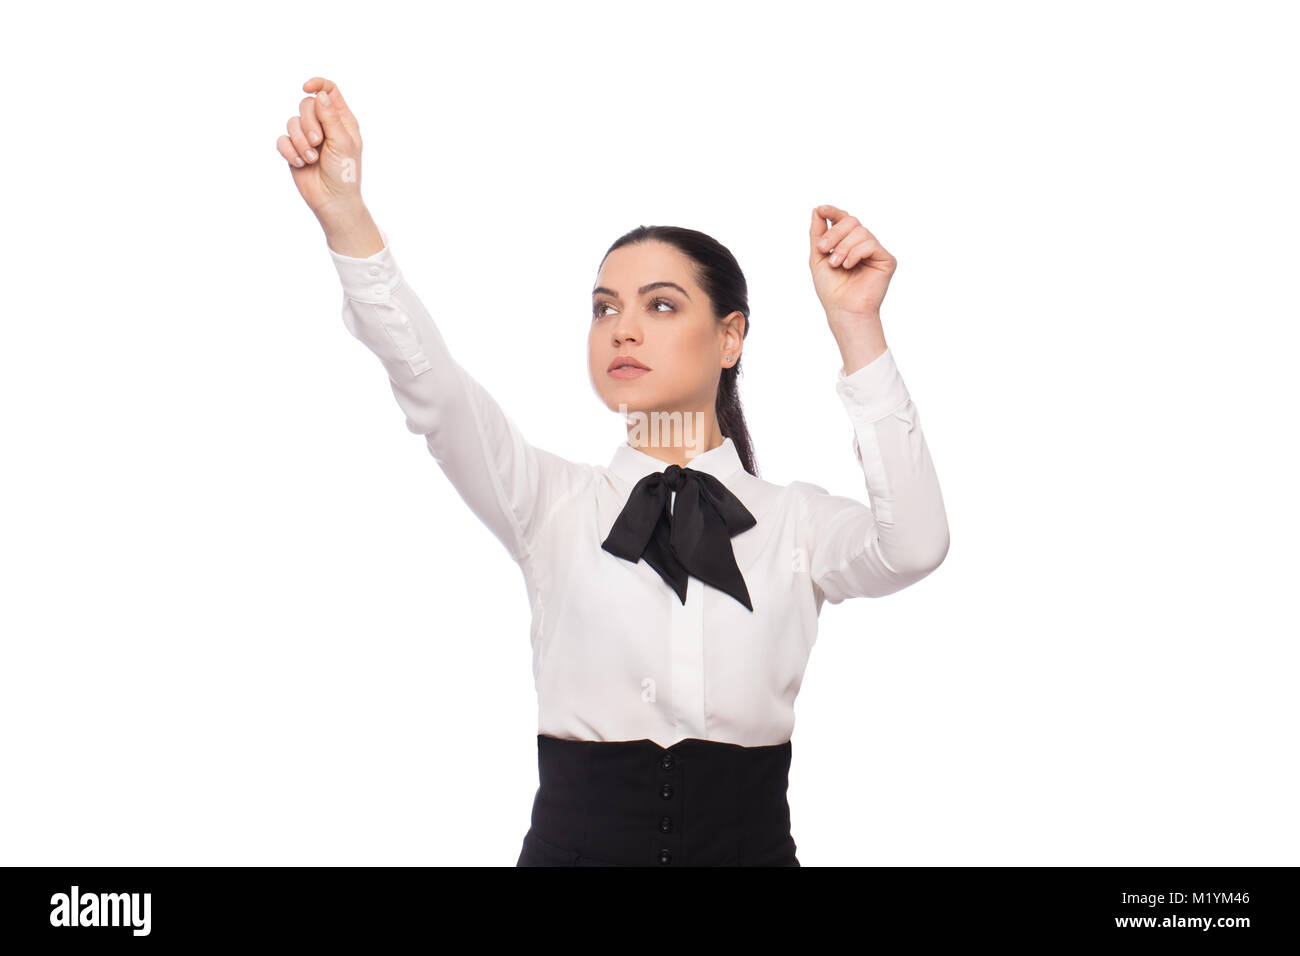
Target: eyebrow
x,y
601,290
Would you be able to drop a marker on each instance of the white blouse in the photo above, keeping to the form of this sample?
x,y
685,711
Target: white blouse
x,y
616,654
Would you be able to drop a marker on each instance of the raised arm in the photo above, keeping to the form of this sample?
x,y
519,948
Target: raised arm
x,y
511,485
870,550
858,549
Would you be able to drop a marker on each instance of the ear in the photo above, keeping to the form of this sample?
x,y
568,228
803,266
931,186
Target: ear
x,y
734,335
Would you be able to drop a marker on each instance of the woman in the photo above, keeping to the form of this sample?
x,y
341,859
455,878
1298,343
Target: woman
x,y
675,594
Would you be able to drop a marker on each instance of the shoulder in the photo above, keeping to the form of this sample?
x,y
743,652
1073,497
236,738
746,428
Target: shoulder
x,y
806,489
795,490
567,467
792,495
567,478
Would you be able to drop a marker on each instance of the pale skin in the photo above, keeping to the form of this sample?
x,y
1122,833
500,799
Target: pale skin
x,y
673,331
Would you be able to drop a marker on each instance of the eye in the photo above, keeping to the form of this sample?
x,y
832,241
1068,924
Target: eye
x,y
597,311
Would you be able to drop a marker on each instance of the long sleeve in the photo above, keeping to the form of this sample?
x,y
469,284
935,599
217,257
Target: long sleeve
x,y
510,484
861,551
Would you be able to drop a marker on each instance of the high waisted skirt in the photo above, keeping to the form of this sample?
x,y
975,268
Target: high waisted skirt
x,y
635,803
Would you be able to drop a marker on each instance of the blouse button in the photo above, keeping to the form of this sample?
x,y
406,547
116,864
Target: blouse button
x,y
667,763
666,824
374,270
665,856
667,791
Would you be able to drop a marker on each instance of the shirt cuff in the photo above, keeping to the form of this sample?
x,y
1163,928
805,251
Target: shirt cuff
x,y
873,391
372,279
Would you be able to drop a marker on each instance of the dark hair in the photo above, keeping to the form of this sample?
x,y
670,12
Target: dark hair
x,y
718,274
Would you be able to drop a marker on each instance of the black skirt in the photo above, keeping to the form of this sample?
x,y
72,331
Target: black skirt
x,y
635,803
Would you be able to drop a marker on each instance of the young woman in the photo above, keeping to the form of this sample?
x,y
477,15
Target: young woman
x,y
675,594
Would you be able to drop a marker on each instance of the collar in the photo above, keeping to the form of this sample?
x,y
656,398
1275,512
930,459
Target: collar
x,y
632,464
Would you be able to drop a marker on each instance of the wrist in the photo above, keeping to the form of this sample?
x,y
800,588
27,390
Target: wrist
x,y
351,231
850,320
861,338
343,213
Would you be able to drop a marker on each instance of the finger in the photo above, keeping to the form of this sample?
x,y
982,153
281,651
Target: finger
x,y
310,124
843,224
855,235
285,146
848,241
818,228
318,85
330,120
815,232
859,251
300,140
874,254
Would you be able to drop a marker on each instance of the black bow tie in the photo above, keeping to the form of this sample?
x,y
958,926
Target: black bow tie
x,y
694,539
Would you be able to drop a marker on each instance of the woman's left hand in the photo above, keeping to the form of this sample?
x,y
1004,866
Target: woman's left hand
x,y
850,268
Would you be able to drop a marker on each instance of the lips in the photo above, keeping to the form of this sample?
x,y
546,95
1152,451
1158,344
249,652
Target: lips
x,y
626,361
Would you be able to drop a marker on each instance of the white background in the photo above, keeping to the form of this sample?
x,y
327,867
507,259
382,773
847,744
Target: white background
x,y
246,619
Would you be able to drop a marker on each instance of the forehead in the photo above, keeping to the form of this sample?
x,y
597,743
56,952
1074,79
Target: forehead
x,y
634,265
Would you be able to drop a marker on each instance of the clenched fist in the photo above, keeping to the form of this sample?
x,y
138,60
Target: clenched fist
x,y
323,150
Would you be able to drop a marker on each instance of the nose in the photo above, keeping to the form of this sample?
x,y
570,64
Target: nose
x,y
624,333
625,328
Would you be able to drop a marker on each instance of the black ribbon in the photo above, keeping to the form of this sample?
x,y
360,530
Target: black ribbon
x,y
693,539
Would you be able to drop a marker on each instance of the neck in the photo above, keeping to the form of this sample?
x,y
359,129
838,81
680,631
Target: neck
x,y
674,437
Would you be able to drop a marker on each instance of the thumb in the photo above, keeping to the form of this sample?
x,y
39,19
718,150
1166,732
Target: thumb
x,y
815,232
331,120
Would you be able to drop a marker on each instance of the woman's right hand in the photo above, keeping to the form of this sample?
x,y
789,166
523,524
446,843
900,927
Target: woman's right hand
x,y
323,150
